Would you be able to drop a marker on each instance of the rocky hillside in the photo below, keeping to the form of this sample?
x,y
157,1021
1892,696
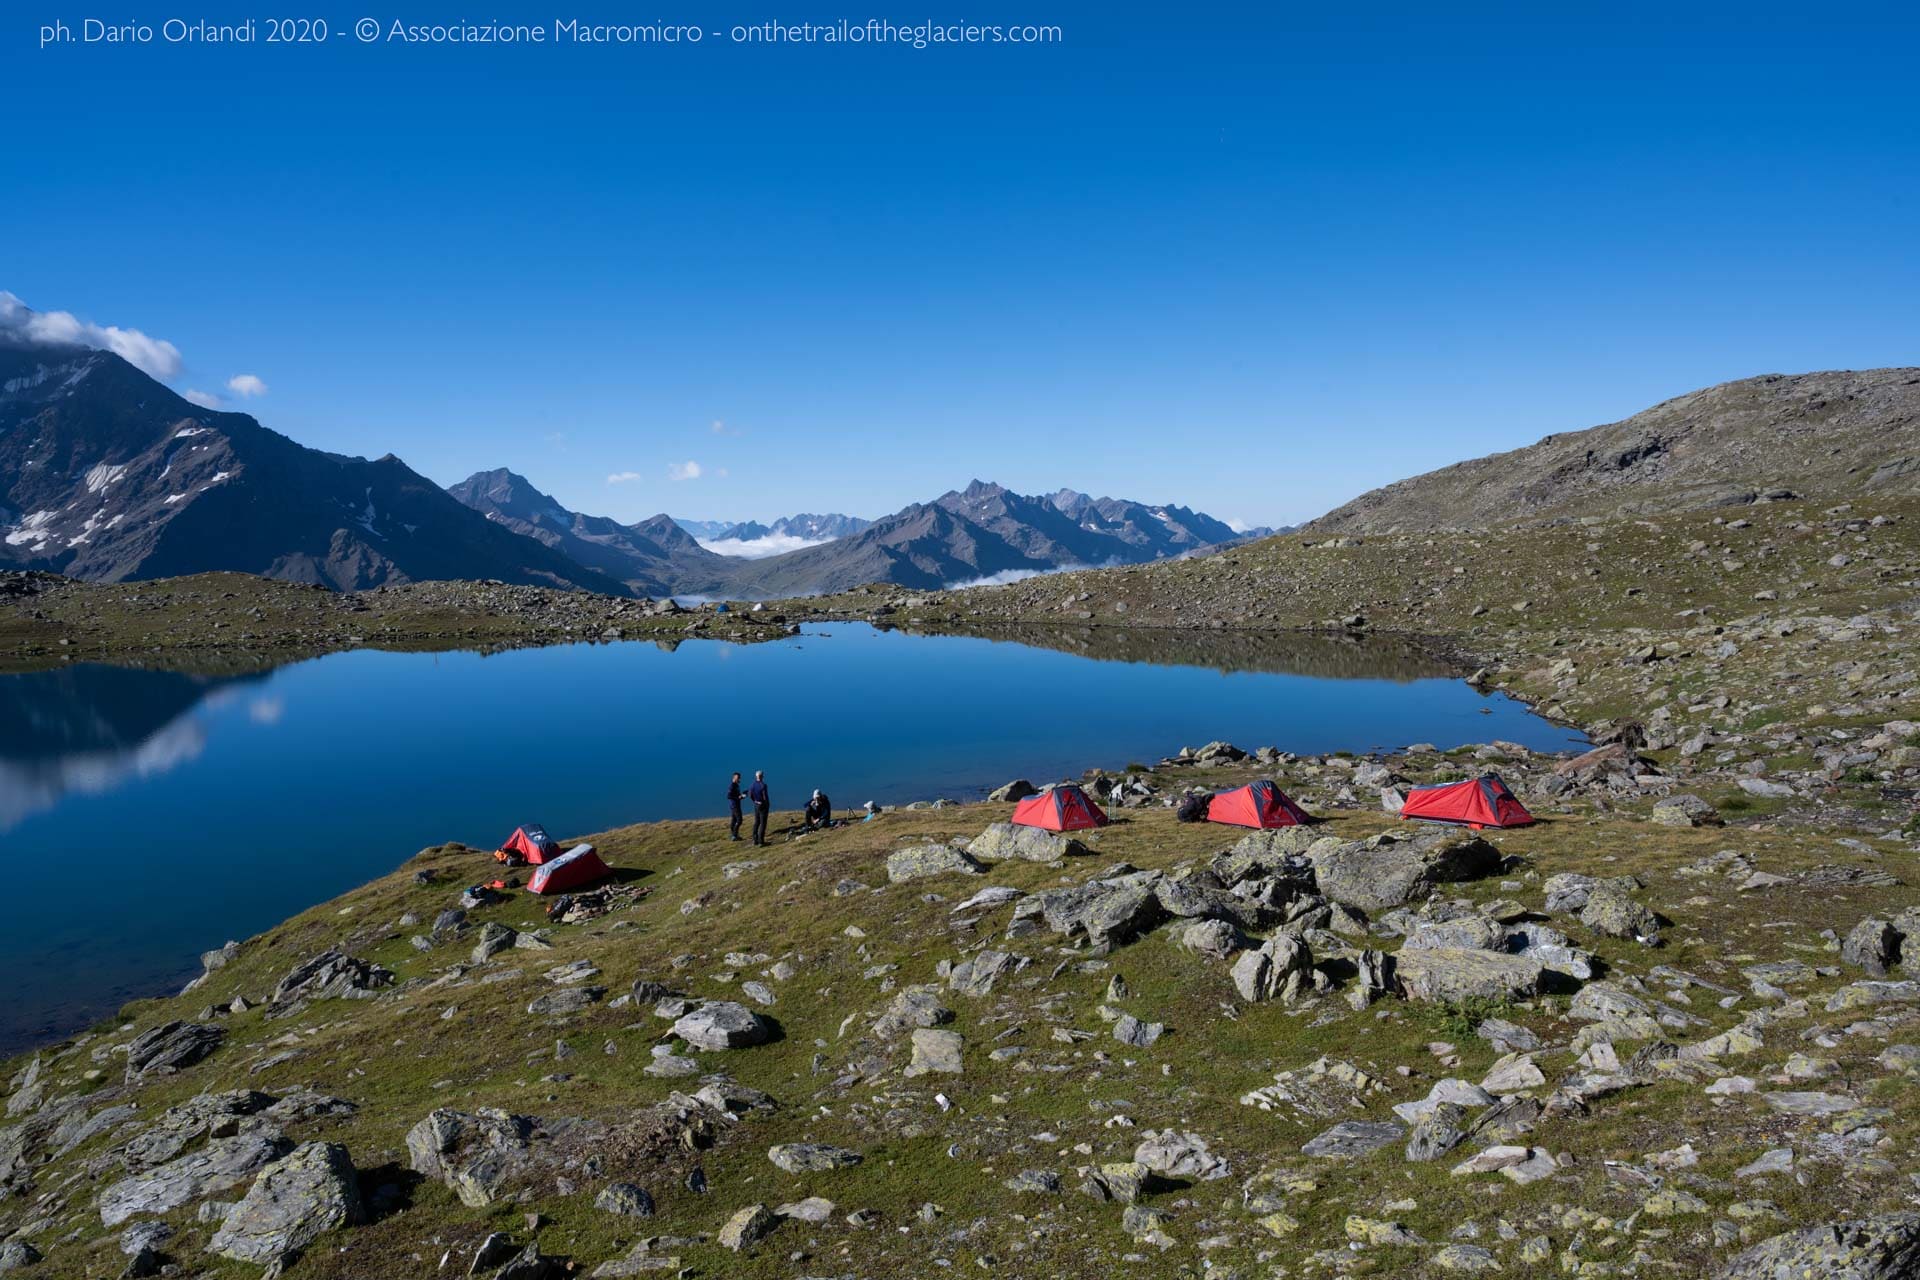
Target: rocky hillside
x,y
1644,1043
1827,436
107,475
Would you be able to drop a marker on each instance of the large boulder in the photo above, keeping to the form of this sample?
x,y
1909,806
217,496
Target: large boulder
x,y
1450,975
476,1153
1270,852
1107,912
1609,911
1281,969
312,1191
917,862
1012,792
722,1024
1179,1155
1197,897
1873,944
222,1164
1004,841
1380,874
1884,1247
169,1047
333,974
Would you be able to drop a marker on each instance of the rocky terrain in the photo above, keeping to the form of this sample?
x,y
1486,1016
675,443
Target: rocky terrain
x,y
1823,436
1663,1032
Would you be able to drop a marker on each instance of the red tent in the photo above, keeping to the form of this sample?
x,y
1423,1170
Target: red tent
x,y
577,868
530,844
1065,808
1478,802
1258,804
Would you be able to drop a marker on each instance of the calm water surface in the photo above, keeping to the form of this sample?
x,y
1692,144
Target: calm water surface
x,y
153,815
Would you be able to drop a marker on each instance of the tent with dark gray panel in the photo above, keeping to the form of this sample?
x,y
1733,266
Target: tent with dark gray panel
x,y
1258,804
1478,802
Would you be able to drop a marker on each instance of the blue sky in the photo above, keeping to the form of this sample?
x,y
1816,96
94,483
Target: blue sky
x,y
1253,259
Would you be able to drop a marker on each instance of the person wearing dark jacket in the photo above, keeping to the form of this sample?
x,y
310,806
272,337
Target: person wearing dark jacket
x,y
733,807
762,805
818,815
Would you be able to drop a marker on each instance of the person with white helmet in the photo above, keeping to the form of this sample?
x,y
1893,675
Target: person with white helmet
x,y
818,815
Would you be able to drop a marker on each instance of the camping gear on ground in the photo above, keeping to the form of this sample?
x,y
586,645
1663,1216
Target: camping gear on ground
x,y
1478,802
530,845
1258,804
577,868
1063,808
1193,807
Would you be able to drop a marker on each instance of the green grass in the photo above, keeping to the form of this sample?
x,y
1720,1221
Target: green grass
x,y
398,1057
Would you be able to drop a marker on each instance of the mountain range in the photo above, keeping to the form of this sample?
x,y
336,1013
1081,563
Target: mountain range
x,y
106,474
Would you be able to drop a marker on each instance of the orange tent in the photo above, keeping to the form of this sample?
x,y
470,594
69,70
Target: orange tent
x,y
1258,804
1478,802
1063,808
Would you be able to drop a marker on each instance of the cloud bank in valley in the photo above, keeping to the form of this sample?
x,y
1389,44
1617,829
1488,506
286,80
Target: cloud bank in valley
x,y
760,548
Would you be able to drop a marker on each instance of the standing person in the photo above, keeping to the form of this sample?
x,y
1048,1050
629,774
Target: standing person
x,y
733,807
762,805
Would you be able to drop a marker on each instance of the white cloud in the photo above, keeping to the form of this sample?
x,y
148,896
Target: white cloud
x,y
64,329
688,470
623,477
246,384
1237,525
774,544
205,399
720,428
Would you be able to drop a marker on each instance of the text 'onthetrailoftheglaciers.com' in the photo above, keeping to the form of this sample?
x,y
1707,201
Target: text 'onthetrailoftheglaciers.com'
x,y
315,30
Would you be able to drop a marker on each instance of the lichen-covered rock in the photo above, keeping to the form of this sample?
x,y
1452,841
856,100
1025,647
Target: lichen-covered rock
x,y
1107,912
1613,913
476,1153
170,1047
1873,944
1179,1155
1380,874
722,1024
1005,840
17,1255
333,974
1884,1247
811,1157
1450,975
976,975
624,1199
749,1226
936,1051
1193,898
223,1163
917,862
1281,969
314,1190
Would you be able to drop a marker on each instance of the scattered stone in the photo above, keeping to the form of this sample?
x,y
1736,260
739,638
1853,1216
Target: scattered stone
x,y
625,1199
811,1157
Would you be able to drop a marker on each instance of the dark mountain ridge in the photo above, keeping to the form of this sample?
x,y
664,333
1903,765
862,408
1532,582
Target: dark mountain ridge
x,y
106,474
